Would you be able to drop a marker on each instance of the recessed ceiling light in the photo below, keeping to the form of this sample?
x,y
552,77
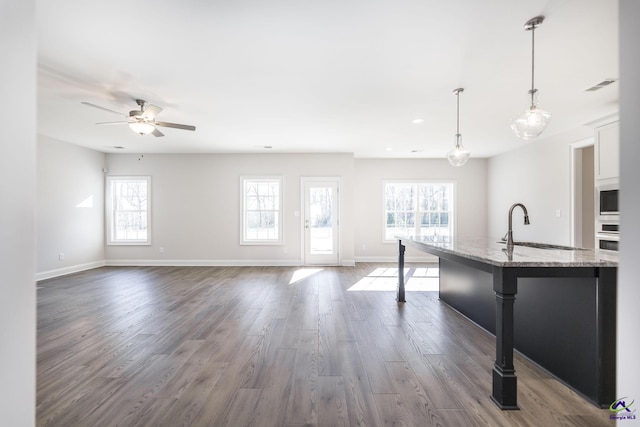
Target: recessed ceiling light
x,y
268,147
417,121
416,151
389,149
118,147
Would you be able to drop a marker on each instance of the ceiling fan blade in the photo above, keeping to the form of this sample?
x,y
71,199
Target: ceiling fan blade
x,y
102,108
112,123
151,112
175,125
156,132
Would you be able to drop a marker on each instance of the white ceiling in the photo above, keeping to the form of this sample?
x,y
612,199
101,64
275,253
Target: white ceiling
x,y
321,76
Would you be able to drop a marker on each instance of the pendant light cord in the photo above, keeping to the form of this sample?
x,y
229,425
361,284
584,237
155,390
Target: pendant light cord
x,y
457,92
458,114
533,61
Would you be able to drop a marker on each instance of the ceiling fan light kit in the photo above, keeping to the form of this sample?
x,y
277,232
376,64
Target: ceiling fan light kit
x,y
141,127
458,155
143,121
533,121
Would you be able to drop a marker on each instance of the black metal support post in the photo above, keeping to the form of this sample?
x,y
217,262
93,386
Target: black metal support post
x,y
505,383
400,292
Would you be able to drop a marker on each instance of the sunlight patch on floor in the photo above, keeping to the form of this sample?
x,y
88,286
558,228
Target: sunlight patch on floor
x,y
386,279
302,274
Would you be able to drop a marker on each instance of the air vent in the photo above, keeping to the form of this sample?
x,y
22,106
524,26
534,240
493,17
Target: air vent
x,y
600,85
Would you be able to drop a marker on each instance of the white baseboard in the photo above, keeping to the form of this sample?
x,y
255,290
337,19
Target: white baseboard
x,y
202,263
211,263
43,275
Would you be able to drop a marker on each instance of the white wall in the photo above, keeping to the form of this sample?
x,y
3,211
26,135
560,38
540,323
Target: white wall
x,y
196,206
628,367
17,224
471,200
70,218
538,175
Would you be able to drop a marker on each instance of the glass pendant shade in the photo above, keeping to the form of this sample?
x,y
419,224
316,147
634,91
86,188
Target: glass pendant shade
x,y
458,155
142,128
533,121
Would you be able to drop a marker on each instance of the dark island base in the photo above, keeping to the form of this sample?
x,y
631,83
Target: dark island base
x,y
564,324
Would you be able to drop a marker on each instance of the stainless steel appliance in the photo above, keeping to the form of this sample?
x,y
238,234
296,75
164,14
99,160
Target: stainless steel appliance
x,y
607,202
607,235
607,217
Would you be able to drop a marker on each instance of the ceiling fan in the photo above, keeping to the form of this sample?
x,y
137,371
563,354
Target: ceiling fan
x,y
142,121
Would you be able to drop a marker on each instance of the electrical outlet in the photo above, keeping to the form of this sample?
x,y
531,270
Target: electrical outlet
x,y
61,256
558,213
161,249
364,247
284,250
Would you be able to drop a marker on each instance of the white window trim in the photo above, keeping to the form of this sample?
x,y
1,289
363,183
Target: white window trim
x,y
453,201
273,242
109,211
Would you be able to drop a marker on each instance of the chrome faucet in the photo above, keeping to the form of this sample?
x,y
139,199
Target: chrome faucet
x,y
509,236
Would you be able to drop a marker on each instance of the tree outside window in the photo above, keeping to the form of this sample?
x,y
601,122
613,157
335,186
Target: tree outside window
x,y
128,210
261,210
418,208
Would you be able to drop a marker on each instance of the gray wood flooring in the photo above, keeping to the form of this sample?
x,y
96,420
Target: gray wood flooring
x,y
271,346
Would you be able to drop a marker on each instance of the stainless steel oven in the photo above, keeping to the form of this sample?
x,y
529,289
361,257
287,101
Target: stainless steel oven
x,y
607,235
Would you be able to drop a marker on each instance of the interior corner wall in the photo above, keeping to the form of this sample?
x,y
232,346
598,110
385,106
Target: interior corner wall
x,y
17,216
537,175
70,214
471,200
628,338
195,202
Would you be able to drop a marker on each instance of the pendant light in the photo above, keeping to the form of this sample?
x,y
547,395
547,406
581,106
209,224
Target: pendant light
x,y
533,121
458,155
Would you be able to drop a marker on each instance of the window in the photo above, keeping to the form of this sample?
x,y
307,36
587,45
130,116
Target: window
x,y
418,208
261,210
128,210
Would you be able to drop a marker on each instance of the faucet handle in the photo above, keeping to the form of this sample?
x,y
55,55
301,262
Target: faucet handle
x,y
504,238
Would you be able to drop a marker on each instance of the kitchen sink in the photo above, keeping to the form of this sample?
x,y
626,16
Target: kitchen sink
x,y
545,246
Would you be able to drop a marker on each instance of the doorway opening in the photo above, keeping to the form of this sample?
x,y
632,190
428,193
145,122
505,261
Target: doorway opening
x,y
583,194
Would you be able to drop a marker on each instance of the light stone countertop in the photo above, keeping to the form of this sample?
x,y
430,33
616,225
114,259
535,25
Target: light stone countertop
x,y
490,251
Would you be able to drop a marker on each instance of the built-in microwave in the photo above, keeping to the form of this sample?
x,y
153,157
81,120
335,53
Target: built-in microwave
x,y
607,200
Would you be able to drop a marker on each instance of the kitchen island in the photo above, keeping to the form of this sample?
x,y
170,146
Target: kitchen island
x,y
564,318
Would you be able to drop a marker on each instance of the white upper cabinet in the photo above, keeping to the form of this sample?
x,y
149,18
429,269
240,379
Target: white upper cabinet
x,y
607,152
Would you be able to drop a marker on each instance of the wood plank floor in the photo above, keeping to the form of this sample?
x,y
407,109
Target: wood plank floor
x,y
272,346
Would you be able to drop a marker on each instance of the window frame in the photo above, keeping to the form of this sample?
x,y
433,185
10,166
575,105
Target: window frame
x,y
452,205
244,241
110,212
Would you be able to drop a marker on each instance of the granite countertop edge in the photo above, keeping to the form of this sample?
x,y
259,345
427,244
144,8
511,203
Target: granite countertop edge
x,y
489,251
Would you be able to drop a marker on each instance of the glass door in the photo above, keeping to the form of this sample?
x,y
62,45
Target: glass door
x,y
320,221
